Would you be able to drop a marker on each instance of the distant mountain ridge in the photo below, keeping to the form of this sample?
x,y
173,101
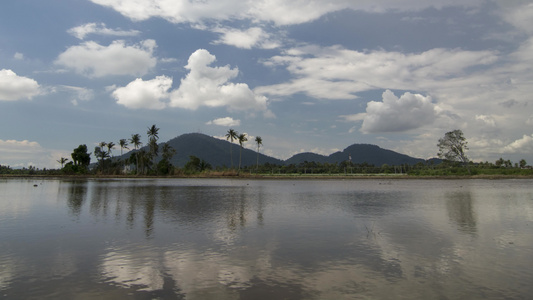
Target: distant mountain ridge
x,y
216,152
359,153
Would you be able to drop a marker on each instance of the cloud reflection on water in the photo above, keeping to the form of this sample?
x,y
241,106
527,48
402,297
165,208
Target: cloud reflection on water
x,y
288,239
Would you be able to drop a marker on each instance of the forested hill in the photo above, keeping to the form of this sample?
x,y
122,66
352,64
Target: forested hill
x,y
216,152
360,153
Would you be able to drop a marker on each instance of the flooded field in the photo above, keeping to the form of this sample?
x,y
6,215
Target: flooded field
x,y
266,239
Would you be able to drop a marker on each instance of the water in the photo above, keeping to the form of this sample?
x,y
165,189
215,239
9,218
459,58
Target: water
x,y
266,239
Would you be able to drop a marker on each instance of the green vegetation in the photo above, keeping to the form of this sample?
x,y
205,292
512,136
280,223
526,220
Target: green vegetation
x,y
155,160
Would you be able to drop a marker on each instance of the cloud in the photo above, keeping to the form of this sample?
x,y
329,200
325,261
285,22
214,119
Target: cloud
x,y
486,120
339,73
226,122
82,31
246,39
523,145
353,118
18,56
79,93
18,154
144,94
94,60
394,114
519,15
14,87
211,87
279,12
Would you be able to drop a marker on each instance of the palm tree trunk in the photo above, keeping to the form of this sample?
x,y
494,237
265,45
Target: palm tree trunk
x,y
231,155
240,155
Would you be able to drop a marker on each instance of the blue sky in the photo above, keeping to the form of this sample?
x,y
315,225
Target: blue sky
x,y
304,75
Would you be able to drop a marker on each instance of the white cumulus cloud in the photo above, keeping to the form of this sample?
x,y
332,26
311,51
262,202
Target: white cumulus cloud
x,y
280,12
486,120
18,154
82,31
14,87
523,145
144,94
211,87
246,39
94,60
226,122
395,114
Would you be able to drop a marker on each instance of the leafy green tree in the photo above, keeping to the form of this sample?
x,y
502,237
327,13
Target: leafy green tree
x,y
523,163
196,164
452,147
259,142
167,152
242,138
231,136
500,162
81,158
164,166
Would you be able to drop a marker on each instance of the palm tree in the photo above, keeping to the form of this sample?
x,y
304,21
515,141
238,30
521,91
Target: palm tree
x,y
167,151
153,137
259,142
231,136
123,145
62,161
242,138
136,142
153,132
101,152
110,146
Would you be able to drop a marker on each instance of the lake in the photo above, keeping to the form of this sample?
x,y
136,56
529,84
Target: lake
x,y
266,239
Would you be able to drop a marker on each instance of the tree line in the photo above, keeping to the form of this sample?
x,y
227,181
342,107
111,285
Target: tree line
x,y
155,159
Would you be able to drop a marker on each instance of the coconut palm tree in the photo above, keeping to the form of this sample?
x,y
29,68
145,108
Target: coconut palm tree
x,y
123,143
167,151
136,142
110,146
153,132
99,151
259,142
153,136
231,136
62,161
242,138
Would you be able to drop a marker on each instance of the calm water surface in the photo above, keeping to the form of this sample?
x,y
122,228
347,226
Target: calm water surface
x,y
266,239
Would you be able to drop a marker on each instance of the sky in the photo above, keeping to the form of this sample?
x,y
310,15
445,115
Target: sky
x,y
305,76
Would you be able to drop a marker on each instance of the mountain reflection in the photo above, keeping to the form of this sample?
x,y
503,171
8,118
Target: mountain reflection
x,y
286,239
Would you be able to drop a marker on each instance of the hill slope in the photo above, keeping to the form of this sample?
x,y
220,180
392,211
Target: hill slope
x,y
360,153
214,151
217,153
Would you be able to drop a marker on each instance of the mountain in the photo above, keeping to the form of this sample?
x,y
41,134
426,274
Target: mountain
x,y
216,152
360,153
307,156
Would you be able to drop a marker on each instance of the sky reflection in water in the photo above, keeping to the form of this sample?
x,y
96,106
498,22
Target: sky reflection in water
x,y
238,239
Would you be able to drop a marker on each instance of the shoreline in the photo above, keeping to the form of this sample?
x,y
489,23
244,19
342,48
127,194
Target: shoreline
x,y
275,177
